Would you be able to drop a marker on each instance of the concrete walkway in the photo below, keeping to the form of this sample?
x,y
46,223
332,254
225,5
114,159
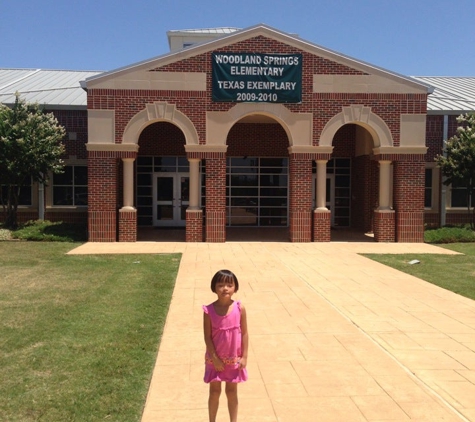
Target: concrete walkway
x,y
333,336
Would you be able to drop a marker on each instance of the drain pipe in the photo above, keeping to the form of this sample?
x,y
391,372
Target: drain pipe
x,y
443,191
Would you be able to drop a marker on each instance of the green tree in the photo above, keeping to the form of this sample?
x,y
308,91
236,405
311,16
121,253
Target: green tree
x,y
458,163
30,148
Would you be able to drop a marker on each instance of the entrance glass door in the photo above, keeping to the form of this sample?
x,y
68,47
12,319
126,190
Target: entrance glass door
x,y
171,199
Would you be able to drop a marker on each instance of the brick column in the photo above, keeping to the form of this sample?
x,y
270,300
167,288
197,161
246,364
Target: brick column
x,y
194,225
127,225
300,203
216,197
384,226
409,176
102,196
321,226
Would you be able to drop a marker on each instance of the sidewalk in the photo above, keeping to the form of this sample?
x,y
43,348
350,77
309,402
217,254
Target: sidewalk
x,y
333,335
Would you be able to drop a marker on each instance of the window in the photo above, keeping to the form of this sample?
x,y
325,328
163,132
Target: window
x,y
458,197
25,195
70,187
146,167
256,191
338,190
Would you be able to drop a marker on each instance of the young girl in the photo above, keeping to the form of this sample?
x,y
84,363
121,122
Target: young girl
x,y
227,340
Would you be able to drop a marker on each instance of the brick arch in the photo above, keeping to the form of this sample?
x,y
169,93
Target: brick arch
x,y
297,126
159,112
362,116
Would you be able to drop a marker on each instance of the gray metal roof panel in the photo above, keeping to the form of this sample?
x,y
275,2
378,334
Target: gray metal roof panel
x,y
222,30
55,88
451,94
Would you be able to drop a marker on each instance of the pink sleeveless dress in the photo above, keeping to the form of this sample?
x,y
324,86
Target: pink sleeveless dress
x,y
227,339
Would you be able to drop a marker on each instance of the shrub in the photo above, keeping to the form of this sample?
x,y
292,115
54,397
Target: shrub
x,y
43,230
449,234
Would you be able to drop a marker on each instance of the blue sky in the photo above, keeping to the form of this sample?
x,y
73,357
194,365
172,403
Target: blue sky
x,y
415,38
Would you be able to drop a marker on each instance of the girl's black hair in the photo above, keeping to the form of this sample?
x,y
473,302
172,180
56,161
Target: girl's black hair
x,y
224,275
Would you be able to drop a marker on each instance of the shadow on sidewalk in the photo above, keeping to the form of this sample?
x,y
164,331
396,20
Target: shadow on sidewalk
x,y
246,234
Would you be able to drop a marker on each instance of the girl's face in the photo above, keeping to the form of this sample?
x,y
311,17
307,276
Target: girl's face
x,y
225,288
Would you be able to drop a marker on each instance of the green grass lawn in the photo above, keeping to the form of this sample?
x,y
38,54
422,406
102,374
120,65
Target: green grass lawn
x,y
452,272
79,334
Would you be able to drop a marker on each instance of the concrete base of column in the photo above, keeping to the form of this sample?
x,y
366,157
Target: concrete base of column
x,y
216,226
194,225
384,226
322,226
127,225
410,227
102,226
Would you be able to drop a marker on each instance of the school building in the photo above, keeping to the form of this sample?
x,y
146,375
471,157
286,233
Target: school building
x,y
251,128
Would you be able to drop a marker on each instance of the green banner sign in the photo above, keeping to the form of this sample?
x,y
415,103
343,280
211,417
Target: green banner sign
x,y
251,77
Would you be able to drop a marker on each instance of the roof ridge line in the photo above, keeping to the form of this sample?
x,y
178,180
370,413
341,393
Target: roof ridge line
x,y
34,72
44,90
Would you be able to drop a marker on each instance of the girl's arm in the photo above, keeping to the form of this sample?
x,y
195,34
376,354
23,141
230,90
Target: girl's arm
x,y
245,338
217,362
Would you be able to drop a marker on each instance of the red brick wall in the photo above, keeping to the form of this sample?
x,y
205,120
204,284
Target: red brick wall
x,y
409,200
435,134
79,217
216,197
74,121
162,138
194,104
321,226
261,140
257,140
456,218
194,225
384,226
102,196
300,200
127,226
386,106
344,142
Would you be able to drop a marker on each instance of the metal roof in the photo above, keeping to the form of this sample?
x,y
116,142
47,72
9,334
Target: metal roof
x,y
206,31
451,94
58,89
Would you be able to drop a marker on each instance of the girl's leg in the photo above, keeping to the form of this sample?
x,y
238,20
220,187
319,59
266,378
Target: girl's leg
x,y
213,401
231,394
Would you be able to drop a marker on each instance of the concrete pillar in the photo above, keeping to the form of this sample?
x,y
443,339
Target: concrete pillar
x,y
194,183
128,167
194,214
128,213
384,185
321,193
